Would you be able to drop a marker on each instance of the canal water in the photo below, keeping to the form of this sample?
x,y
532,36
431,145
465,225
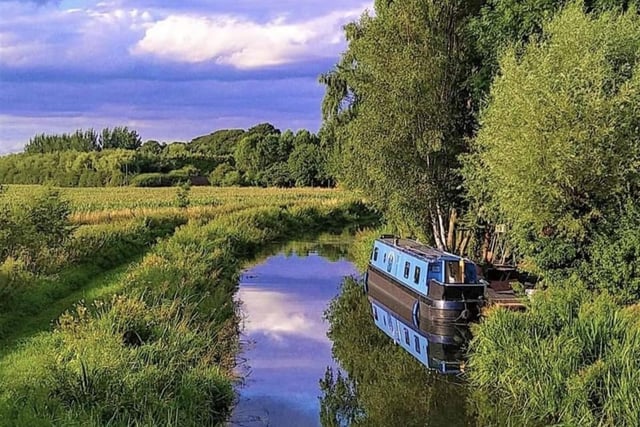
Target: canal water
x,y
286,349
286,353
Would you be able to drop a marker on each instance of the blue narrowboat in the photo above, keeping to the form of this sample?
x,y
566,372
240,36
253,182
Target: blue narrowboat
x,y
439,347
423,283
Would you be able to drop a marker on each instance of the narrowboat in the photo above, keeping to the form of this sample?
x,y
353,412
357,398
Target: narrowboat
x,y
423,283
440,348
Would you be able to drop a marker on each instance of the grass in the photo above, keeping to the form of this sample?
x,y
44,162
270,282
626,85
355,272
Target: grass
x,y
120,200
571,359
161,350
98,285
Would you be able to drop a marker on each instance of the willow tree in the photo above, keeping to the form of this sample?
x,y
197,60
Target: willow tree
x,y
558,151
398,113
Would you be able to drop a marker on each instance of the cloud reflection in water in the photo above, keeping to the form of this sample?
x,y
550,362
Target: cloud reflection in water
x,y
283,301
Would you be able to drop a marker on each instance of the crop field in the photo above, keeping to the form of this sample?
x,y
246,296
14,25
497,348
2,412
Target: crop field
x,y
116,305
92,205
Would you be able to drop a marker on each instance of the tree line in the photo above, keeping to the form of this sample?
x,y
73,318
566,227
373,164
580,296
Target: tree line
x,y
260,156
471,114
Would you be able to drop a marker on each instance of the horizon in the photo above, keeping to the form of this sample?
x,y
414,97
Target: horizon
x,y
172,72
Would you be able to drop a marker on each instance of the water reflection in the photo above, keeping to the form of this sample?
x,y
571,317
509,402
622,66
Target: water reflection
x,y
384,384
440,347
283,300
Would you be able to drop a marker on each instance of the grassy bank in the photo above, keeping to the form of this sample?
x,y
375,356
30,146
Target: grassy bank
x,y
571,359
161,351
90,252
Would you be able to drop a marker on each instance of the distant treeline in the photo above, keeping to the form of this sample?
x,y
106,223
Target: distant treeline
x,y
260,156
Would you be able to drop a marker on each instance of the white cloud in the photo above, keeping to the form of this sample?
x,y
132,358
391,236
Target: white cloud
x,y
242,42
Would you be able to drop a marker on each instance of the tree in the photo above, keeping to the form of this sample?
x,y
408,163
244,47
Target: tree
x,y
397,108
120,137
152,147
80,140
306,165
559,149
507,23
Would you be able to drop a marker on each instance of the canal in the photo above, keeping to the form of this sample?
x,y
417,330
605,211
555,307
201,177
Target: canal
x,y
290,376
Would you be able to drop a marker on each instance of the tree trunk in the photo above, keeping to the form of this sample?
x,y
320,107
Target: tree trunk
x,y
453,219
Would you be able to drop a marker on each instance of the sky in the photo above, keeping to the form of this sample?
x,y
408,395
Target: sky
x,y
172,69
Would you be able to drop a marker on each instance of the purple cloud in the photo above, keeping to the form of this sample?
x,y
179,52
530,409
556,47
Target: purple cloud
x,y
173,71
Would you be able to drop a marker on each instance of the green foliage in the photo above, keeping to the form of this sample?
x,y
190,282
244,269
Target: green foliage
x,y
117,157
163,352
80,140
119,137
220,175
88,252
307,165
154,180
614,258
221,142
151,147
383,385
182,195
504,24
33,229
396,109
570,359
558,150
278,175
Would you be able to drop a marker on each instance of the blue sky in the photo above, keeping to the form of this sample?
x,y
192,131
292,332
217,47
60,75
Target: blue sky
x,y
172,70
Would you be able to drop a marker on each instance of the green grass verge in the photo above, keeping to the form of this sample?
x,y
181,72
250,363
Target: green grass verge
x,y
92,251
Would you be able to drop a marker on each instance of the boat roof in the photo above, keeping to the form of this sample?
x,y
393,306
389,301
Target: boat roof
x,y
417,249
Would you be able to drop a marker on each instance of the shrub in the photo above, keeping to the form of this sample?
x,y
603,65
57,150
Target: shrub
x,y
155,180
558,149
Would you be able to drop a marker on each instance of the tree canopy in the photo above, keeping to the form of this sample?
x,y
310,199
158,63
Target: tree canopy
x,y
558,149
397,111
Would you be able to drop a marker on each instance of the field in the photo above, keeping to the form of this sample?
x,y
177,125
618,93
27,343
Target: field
x,y
93,206
125,315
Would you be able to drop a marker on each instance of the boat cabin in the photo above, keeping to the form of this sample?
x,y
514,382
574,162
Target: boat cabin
x,y
416,265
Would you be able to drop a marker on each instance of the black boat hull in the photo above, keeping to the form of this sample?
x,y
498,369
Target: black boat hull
x,y
424,308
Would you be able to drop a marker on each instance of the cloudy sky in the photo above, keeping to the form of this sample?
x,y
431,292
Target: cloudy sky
x,y
172,69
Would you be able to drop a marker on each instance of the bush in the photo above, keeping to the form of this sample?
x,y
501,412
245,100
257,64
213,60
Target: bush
x,y
558,149
614,258
33,229
217,177
154,180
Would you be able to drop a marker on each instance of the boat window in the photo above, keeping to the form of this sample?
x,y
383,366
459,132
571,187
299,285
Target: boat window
x,y
407,267
416,342
434,268
375,313
390,263
453,272
406,336
375,254
384,258
390,323
416,275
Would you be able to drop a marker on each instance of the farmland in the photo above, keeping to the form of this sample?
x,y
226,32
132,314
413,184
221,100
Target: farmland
x,y
129,319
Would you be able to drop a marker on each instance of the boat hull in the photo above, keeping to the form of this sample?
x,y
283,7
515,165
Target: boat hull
x,y
424,309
